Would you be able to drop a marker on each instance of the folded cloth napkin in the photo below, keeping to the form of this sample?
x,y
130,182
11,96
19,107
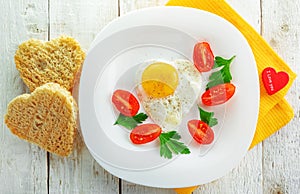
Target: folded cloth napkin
x,y
274,111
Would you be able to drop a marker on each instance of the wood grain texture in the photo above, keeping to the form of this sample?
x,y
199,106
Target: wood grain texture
x,y
131,5
79,173
281,161
271,167
23,166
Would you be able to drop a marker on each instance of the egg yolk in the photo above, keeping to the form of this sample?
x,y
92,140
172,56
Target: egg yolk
x,y
159,80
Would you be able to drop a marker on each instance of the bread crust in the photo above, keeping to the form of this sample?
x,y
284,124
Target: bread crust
x,y
46,117
57,61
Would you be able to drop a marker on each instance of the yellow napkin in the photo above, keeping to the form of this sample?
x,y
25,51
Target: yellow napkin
x,y
274,111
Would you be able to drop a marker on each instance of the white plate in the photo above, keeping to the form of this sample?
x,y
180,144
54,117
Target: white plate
x,y
238,126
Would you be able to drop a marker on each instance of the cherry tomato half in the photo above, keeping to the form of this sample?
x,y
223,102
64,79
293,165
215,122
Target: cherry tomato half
x,y
125,102
200,131
218,94
203,57
145,133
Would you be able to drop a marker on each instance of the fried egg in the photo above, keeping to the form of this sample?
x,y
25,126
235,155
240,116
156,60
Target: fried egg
x,y
168,90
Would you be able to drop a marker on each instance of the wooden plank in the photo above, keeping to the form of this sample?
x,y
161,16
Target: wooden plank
x,y
247,176
81,19
130,188
130,5
281,161
23,166
79,173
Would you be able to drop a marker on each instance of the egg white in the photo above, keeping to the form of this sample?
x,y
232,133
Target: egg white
x,y
169,111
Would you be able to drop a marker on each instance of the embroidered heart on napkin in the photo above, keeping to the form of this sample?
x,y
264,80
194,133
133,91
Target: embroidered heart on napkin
x,y
274,81
58,61
46,117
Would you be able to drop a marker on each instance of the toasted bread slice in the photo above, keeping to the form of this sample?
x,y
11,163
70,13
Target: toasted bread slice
x,y
58,61
46,117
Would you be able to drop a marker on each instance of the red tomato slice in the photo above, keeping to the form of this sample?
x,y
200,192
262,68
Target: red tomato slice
x,y
125,102
200,131
145,133
203,57
218,94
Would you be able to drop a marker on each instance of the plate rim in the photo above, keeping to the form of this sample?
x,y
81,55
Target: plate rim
x,y
106,28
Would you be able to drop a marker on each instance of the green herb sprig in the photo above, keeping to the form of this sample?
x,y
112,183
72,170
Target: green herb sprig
x,y
208,117
223,75
131,122
170,145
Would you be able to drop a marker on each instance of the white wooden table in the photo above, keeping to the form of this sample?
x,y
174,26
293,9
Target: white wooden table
x,y
271,167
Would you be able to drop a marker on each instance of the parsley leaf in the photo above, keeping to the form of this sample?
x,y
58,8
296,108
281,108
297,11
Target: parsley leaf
x,y
169,145
223,75
208,117
130,122
219,61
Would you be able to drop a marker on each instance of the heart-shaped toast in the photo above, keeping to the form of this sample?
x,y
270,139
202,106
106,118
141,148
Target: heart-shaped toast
x,y
58,61
46,117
